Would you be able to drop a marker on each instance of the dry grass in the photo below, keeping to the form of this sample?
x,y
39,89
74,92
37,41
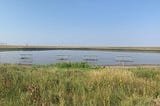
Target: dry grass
x,y
17,47
87,86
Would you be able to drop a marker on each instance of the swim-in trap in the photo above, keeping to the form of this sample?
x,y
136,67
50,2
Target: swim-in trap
x,y
26,59
124,60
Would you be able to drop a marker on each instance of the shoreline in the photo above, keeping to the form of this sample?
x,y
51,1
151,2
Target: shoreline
x,y
135,66
106,66
98,48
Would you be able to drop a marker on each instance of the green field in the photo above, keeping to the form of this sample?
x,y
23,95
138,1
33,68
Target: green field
x,y
79,84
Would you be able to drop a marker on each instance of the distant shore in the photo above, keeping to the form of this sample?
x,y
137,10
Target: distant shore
x,y
36,48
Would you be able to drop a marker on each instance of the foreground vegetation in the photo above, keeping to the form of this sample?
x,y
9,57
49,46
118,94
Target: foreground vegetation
x,y
78,84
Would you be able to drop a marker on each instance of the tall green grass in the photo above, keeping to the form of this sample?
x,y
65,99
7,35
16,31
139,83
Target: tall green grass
x,y
48,85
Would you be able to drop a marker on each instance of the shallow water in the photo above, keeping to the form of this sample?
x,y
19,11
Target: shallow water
x,y
93,57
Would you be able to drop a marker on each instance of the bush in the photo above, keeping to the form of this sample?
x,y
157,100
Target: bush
x,y
72,65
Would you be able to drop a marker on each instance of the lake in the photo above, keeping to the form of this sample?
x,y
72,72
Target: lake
x,y
92,57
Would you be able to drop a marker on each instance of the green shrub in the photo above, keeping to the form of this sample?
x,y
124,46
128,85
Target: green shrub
x,y
73,65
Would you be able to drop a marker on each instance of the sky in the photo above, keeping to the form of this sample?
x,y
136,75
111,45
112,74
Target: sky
x,y
80,22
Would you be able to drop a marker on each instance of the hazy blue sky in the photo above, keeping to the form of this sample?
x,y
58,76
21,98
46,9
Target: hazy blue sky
x,y
80,22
